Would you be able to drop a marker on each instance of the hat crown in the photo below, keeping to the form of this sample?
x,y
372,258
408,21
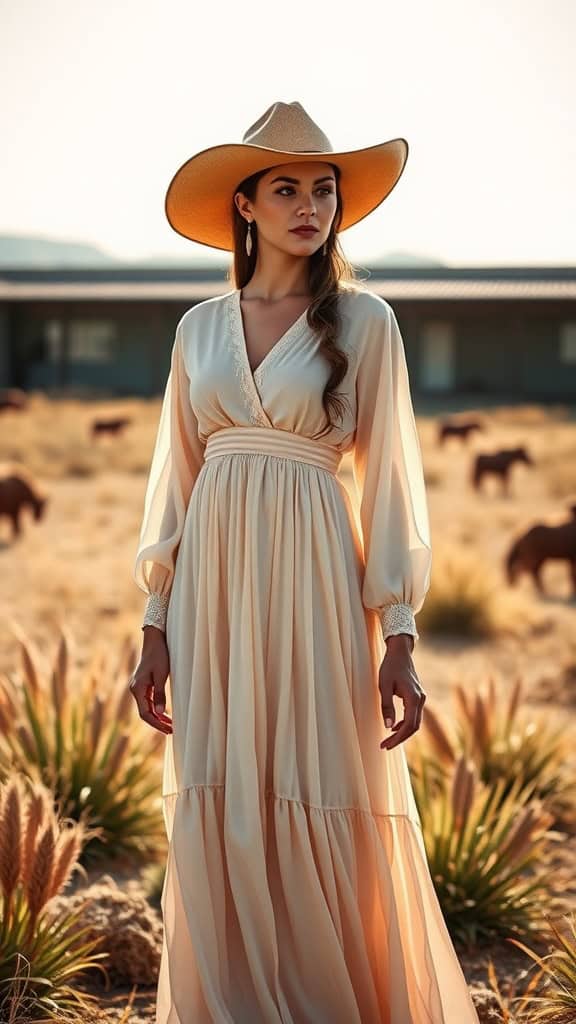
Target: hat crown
x,y
288,128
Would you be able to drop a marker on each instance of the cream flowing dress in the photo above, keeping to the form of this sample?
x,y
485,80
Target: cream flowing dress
x,y
297,889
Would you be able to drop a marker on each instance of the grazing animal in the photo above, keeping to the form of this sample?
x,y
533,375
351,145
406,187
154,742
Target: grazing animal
x,y
13,398
109,426
498,464
18,491
462,429
530,551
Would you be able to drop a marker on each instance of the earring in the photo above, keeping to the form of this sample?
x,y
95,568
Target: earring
x,y
249,239
324,249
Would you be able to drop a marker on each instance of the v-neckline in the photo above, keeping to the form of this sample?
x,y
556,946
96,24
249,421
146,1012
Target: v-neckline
x,y
276,347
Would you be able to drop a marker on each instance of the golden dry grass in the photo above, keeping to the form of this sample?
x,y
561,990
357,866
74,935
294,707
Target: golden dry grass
x,y
76,565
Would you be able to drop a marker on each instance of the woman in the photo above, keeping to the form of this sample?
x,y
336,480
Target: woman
x,y
297,888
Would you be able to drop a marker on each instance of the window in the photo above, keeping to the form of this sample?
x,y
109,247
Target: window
x,y
568,342
91,340
437,368
53,334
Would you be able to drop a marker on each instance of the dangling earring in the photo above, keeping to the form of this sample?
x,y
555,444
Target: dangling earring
x,y
249,239
324,249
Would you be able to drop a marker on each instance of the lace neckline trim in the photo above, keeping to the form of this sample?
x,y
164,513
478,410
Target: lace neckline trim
x,y
249,378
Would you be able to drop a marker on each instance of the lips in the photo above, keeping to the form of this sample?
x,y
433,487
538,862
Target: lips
x,y
304,231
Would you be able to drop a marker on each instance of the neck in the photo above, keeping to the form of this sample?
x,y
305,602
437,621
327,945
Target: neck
x,y
277,276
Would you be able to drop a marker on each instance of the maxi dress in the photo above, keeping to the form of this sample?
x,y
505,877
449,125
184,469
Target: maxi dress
x,y
297,888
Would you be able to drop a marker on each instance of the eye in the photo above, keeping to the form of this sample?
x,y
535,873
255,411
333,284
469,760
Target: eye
x,y
326,189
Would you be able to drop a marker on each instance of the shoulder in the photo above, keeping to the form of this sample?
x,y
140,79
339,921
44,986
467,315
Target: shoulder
x,y
362,306
202,316
204,311
370,329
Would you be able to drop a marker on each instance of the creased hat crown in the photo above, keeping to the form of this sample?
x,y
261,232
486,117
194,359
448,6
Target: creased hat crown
x,y
287,126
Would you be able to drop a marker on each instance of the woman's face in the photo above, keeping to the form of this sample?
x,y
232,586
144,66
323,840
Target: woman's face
x,y
290,196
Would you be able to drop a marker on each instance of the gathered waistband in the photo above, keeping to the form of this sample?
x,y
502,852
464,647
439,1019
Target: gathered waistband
x,y
271,441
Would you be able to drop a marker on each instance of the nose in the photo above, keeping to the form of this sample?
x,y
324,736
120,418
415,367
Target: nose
x,y
308,205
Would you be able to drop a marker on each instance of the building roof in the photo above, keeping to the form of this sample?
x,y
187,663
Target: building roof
x,y
195,284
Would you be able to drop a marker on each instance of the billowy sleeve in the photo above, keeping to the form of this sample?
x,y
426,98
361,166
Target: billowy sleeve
x,y
389,476
176,461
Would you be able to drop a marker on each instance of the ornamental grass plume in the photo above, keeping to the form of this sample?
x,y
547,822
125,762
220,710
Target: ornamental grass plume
x,y
40,954
76,736
505,740
487,851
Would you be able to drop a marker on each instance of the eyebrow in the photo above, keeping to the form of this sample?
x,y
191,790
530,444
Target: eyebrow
x,y
296,181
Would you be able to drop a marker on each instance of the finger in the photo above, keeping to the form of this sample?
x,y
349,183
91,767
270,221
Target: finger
x,y
142,694
411,698
152,720
152,707
420,712
413,707
159,697
146,712
388,712
405,728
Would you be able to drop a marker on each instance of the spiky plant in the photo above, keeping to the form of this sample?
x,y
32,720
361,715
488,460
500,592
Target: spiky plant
x,y
77,736
506,742
486,851
39,954
556,1003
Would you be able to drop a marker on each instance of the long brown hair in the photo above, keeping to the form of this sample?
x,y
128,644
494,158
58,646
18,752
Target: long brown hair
x,y
326,274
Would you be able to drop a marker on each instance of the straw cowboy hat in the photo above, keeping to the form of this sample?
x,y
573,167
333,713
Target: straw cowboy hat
x,y
199,198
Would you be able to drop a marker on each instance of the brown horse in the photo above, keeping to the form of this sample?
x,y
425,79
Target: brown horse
x,y
498,464
13,399
109,426
530,551
18,491
461,429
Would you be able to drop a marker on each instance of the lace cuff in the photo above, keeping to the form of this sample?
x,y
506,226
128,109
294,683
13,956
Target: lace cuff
x,y
156,610
398,618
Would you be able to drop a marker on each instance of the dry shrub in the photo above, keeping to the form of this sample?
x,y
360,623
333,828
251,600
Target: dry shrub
x,y
74,731
40,953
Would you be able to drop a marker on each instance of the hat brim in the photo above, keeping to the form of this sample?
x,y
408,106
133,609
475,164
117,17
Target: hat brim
x,y
198,201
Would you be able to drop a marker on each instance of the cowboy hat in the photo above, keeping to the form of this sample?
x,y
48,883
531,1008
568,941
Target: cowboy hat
x,y
198,201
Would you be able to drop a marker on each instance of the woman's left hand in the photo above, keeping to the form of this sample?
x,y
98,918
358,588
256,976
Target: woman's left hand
x,y
397,675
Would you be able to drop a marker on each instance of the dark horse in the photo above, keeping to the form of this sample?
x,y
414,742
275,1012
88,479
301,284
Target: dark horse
x,y
17,490
109,426
530,551
498,464
461,429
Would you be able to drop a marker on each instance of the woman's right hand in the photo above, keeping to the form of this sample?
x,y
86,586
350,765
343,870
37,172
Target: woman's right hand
x,y
148,681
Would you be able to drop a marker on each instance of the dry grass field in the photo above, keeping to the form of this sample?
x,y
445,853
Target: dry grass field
x,y
74,567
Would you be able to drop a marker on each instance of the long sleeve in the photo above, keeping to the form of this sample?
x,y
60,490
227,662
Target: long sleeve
x,y
176,461
389,476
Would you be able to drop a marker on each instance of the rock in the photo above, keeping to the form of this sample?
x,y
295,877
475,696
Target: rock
x,y
131,930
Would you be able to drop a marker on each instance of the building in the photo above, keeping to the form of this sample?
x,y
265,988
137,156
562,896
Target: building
x,y
498,333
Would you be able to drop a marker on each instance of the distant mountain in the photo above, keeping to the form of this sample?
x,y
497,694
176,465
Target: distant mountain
x,y
35,251
405,259
29,250
209,260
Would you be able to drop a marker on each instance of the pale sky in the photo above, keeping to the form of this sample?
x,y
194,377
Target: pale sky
x,y
101,102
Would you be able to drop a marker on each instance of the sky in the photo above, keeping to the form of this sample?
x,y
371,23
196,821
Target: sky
x,y
100,103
